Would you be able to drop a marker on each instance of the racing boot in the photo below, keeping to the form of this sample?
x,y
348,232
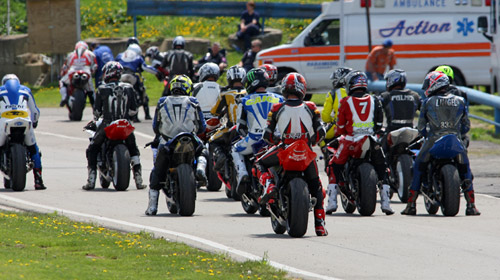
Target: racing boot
x,y
270,190
91,180
138,177
319,222
385,201
241,170
153,202
219,158
37,173
332,198
471,209
411,207
201,165
146,112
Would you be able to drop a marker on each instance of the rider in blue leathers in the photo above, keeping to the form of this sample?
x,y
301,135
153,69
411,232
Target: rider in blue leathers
x,y
14,95
252,119
133,63
103,55
442,113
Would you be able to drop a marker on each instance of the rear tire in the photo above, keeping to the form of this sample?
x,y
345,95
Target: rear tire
x,y
404,174
348,207
214,184
78,105
17,167
234,183
277,227
367,196
450,202
121,167
104,183
298,208
6,183
187,189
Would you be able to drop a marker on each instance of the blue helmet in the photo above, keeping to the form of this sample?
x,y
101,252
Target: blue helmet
x,y
11,82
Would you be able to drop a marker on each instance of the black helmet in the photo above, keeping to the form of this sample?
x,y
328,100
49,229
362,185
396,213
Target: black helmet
x,y
178,42
132,40
355,80
393,78
255,79
338,75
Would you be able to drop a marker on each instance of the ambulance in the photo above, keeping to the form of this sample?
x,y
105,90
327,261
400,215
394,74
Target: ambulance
x,y
425,33
491,31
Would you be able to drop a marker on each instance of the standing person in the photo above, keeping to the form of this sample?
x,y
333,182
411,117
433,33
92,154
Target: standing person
x,y
249,24
103,55
13,95
114,100
249,57
442,113
379,59
215,55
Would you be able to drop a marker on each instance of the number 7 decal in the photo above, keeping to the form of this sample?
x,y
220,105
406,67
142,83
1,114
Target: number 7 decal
x,y
364,104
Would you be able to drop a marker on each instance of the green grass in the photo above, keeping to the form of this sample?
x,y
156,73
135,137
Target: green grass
x,y
65,249
481,130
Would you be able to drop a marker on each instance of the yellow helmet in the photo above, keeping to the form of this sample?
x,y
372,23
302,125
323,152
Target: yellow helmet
x,y
181,85
447,70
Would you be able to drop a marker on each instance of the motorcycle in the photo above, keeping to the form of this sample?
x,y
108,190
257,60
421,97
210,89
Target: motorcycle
x,y
443,189
249,199
180,184
290,210
400,159
15,160
76,92
113,159
213,182
360,190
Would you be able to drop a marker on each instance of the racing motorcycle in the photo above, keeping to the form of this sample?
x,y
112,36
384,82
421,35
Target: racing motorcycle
x,y
180,184
290,210
76,92
360,190
113,159
15,159
213,181
400,159
443,189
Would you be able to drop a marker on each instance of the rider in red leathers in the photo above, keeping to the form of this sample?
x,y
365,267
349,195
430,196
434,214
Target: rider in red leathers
x,y
295,120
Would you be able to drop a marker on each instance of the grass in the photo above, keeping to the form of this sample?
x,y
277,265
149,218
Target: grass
x,y
481,130
65,249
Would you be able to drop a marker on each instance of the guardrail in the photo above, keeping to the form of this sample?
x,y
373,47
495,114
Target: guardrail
x,y
473,95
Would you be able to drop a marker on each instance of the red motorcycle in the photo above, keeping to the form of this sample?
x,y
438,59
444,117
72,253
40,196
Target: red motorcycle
x,y
76,93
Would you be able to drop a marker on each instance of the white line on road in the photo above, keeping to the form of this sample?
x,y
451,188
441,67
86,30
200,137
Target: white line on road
x,y
86,139
196,239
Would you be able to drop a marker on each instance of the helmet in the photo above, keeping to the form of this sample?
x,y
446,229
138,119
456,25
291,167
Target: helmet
x,y
181,85
355,80
338,75
9,77
272,71
434,81
396,77
255,79
235,74
178,42
208,70
132,40
135,48
81,44
294,83
447,70
387,43
112,71
152,51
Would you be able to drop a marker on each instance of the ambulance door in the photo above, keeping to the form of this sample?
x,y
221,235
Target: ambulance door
x,y
321,53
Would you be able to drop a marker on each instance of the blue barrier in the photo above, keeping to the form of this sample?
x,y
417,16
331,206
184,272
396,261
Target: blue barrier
x,y
473,95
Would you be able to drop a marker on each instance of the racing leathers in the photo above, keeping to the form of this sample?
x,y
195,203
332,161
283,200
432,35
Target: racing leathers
x,y
400,107
207,93
17,100
252,118
75,61
114,100
295,120
442,114
176,114
103,55
360,114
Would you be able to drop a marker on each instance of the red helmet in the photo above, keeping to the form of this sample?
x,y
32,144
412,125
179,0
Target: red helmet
x,y
294,83
272,71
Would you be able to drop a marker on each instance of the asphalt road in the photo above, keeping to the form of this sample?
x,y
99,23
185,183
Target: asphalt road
x,y
377,247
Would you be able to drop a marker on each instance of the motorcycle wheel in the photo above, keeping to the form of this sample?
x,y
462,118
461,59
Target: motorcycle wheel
x,y
264,212
234,182
277,227
348,207
78,105
121,167
6,183
17,167
250,206
404,176
367,195
430,207
214,183
187,189
104,183
298,208
450,184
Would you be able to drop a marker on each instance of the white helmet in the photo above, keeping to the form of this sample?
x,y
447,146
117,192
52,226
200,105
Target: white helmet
x,y
208,70
235,74
9,77
135,48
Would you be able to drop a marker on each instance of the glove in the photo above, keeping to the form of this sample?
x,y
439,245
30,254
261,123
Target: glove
x,y
35,124
160,76
91,125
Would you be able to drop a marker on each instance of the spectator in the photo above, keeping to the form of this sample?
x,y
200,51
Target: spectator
x,y
378,60
249,56
249,24
215,55
103,55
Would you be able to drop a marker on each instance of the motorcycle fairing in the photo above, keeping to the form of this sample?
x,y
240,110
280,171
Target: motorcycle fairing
x,y
447,146
297,156
119,130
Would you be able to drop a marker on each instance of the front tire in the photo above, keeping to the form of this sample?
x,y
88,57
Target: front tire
x,y
367,195
17,167
187,189
450,184
404,174
121,167
298,208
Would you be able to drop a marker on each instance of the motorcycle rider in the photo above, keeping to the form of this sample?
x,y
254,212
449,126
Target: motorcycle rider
x,y
133,64
360,114
114,100
295,120
442,113
80,59
272,72
207,90
177,60
155,59
167,127
252,115
103,55
10,89
329,117
227,105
